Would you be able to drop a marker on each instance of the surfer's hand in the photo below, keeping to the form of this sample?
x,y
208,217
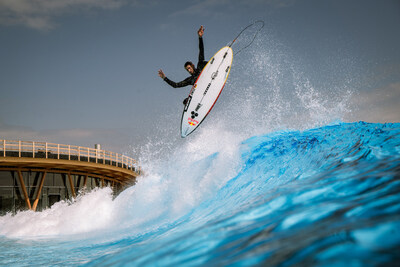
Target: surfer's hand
x,y
161,74
200,32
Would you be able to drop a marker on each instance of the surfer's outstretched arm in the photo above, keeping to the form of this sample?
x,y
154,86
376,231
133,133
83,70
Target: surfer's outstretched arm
x,y
201,50
200,32
195,73
185,82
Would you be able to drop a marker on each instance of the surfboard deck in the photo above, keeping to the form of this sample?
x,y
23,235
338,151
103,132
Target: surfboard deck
x,y
206,90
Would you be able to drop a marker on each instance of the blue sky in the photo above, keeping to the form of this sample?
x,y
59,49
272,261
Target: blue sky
x,y
85,71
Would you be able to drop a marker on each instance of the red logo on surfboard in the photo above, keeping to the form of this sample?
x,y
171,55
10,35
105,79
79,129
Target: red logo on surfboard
x,y
192,122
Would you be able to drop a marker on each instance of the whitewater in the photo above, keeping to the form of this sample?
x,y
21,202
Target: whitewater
x,y
273,177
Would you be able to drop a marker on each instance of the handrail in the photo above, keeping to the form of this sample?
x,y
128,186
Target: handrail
x,y
56,150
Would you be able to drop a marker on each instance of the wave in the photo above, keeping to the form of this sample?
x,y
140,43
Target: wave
x,y
289,197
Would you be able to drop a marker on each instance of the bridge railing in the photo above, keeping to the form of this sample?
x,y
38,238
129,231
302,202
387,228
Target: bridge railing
x,y
12,148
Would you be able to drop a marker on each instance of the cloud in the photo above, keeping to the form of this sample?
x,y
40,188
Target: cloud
x,y
379,105
209,7
203,7
40,14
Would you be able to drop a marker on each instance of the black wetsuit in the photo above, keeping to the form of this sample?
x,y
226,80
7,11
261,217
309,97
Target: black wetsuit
x,y
191,79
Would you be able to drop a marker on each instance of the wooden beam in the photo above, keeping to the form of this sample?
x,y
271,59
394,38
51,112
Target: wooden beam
x,y
117,178
84,183
71,184
21,181
65,164
39,191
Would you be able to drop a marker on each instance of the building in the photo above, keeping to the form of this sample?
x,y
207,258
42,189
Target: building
x,y
35,175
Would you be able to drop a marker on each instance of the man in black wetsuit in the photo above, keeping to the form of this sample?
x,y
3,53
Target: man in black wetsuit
x,y
189,66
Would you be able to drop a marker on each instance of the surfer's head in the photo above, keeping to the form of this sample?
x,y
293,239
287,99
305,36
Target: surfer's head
x,y
189,66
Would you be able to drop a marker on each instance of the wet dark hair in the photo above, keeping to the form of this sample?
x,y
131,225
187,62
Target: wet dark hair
x,y
189,63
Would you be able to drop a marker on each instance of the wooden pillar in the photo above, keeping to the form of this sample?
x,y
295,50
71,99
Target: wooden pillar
x,y
39,191
84,183
21,181
71,184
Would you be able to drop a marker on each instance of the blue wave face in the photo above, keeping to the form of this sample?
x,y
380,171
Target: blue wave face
x,y
325,196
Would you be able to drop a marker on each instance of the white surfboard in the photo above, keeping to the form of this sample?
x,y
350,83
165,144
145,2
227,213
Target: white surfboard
x,y
206,90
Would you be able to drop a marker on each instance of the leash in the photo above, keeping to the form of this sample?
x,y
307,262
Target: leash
x,y
255,35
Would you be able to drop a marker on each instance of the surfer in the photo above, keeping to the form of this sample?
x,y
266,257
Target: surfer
x,y
189,67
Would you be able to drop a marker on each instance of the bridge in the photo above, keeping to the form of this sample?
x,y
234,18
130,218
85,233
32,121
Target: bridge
x,y
35,175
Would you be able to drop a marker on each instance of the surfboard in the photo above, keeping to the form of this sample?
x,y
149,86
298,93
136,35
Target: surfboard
x,y
206,90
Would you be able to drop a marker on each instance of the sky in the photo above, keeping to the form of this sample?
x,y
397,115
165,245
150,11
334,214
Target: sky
x,y
84,72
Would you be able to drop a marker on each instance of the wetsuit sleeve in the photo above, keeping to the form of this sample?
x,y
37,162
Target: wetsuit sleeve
x,y
201,50
185,82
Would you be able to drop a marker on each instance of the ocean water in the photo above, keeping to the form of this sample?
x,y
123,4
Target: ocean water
x,y
275,176
327,196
